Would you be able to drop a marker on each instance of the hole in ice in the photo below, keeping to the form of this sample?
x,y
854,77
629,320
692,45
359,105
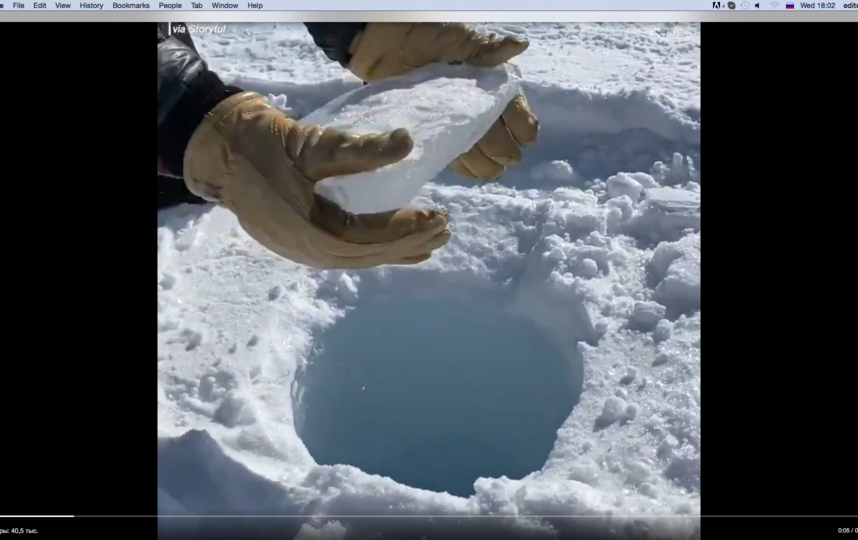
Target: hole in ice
x,y
435,393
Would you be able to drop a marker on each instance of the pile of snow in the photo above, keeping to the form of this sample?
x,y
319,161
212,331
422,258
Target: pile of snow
x,y
606,266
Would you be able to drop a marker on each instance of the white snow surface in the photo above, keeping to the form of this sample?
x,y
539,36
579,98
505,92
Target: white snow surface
x,y
595,239
446,109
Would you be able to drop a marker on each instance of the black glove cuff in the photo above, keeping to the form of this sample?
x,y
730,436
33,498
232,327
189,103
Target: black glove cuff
x,y
335,39
202,94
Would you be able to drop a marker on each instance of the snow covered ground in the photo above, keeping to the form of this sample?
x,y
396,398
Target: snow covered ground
x,y
546,362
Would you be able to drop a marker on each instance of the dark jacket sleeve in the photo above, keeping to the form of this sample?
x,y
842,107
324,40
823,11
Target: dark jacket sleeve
x,y
187,91
335,38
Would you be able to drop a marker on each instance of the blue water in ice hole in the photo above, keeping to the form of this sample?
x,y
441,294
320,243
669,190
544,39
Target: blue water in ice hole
x,y
436,393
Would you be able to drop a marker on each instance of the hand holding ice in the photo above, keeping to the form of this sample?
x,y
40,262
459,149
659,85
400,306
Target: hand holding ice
x,y
447,109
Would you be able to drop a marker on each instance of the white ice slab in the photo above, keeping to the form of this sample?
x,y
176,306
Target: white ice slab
x,y
447,109
673,199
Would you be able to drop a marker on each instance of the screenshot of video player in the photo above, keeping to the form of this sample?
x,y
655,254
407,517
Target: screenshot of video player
x,y
426,271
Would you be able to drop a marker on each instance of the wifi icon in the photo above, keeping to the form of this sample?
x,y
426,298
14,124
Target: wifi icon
x,y
774,4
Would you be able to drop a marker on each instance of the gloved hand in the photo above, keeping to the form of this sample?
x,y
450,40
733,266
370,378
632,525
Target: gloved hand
x,y
385,50
249,157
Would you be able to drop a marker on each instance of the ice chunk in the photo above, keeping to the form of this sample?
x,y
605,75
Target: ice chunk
x,y
624,184
646,315
672,199
555,171
446,108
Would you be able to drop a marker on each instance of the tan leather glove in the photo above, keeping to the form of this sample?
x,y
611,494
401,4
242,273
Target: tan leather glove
x,y
385,50
249,157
